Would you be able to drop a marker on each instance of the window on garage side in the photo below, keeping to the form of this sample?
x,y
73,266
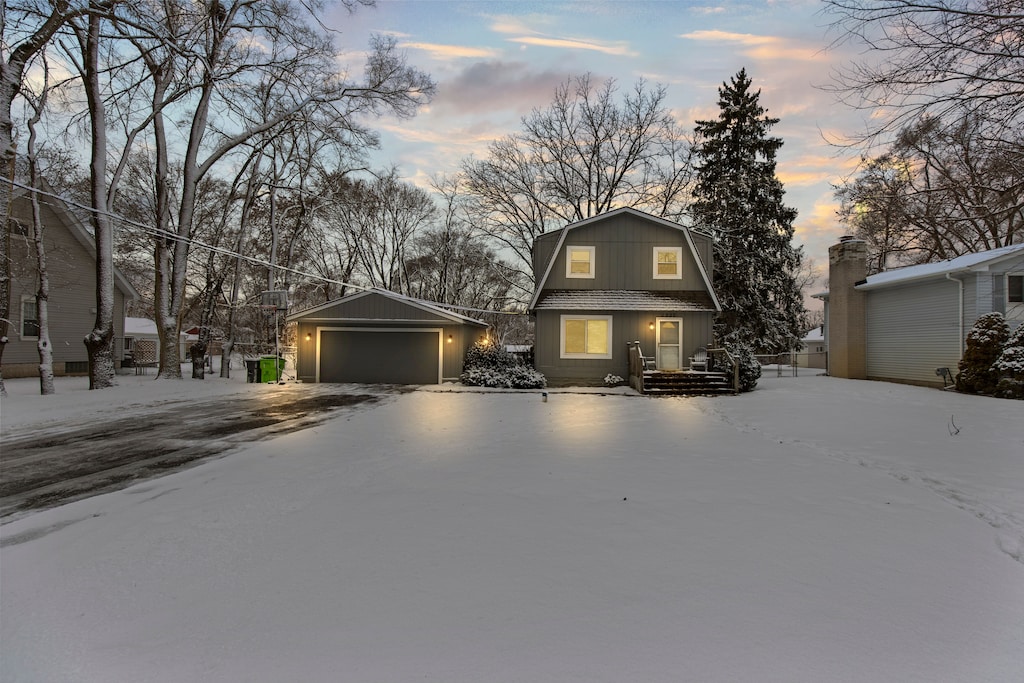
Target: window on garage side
x,y
668,263
579,262
586,336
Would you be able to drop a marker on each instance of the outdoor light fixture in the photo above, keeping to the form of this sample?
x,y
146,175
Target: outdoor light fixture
x,y
450,338
309,337
650,326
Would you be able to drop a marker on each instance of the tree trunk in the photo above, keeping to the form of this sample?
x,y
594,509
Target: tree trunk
x,y
100,341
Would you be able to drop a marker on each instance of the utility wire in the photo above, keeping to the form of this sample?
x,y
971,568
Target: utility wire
x,y
166,234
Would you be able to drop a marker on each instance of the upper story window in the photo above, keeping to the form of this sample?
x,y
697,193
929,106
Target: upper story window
x,y
668,263
579,262
29,318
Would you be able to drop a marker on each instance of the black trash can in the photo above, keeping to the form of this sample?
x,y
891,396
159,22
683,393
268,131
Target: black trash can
x,y
252,371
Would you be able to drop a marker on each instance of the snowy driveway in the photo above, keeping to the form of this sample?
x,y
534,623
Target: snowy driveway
x,y
814,530
64,459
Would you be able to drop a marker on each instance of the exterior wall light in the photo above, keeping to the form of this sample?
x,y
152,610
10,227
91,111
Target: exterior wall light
x,y
450,339
309,337
650,326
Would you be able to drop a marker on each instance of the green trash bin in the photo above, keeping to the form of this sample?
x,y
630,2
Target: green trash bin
x,y
267,371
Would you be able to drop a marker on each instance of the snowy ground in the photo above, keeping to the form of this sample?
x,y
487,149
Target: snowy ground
x,y
816,529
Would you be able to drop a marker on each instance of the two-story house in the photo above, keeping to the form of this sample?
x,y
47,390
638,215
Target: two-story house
x,y
616,278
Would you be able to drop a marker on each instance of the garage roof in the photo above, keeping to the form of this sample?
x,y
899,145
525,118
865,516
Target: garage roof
x,y
419,304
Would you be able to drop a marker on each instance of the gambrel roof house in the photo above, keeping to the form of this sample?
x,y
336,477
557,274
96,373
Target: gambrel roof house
x,y
380,337
902,325
616,278
71,261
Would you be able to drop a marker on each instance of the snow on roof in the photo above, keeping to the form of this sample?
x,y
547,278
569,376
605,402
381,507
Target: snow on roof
x,y
926,270
815,335
139,326
624,300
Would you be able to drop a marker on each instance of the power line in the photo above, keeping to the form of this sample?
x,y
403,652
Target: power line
x,y
165,234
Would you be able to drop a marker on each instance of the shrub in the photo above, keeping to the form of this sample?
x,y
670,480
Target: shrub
x,y
488,365
985,341
750,367
1010,366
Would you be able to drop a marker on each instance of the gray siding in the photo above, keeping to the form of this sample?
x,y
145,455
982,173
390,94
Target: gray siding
x,y
376,311
913,330
72,301
627,326
623,257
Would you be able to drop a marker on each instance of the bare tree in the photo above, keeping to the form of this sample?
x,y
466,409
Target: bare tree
x,y
938,192
944,59
25,29
583,155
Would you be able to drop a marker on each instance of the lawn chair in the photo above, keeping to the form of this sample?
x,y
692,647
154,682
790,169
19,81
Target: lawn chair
x,y
699,360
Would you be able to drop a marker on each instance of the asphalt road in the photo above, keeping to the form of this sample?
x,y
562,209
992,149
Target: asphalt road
x,y
43,467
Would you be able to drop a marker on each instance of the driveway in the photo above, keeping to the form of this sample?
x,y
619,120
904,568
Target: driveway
x,y
46,465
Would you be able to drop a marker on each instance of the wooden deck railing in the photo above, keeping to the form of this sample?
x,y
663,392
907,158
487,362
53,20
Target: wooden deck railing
x,y
733,362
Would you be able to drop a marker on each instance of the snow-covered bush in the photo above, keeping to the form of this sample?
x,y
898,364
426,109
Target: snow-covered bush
x,y
1010,366
488,365
750,367
613,380
984,344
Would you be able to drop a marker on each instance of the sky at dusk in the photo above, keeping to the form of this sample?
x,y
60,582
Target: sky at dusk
x,y
494,61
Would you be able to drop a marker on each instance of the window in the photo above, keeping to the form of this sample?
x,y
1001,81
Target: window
x,y
579,262
29,318
18,228
668,263
586,337
1015,289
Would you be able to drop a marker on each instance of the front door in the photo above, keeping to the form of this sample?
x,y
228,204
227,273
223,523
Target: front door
x,y
670,337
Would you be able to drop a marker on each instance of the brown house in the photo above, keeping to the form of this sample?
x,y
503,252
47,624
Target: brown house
x,y
71,261
380,337
616,278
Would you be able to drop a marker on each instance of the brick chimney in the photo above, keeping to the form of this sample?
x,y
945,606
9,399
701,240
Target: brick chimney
x,y
847,309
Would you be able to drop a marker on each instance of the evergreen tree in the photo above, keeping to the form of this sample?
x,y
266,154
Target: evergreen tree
x,y
738,200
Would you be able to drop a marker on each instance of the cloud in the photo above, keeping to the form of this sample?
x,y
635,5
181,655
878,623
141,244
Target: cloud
x,y
524,32
496,85
449,52
615,48
758,47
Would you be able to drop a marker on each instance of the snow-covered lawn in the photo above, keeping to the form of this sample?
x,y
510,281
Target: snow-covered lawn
x,y
816,529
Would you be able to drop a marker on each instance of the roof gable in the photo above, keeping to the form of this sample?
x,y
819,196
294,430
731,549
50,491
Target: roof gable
x,y
417,307
565,234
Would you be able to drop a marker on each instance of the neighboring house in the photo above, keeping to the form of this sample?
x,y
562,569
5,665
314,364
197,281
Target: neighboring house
x,y
71,263
379,337
616,278
141,342
901,325
814,353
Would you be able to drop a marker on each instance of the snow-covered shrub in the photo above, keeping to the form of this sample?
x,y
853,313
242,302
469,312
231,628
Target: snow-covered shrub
x,y
489,365
1010,366
613,380
750,367
984,344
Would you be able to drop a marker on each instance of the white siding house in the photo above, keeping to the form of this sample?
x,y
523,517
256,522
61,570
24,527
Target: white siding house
x,y
915,319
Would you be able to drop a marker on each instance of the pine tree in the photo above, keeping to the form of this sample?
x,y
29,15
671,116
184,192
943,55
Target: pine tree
x,y
738,200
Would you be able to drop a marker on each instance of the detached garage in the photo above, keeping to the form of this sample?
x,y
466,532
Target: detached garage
x,y
379,337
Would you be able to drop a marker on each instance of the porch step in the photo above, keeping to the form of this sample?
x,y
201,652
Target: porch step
x,y
687,383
